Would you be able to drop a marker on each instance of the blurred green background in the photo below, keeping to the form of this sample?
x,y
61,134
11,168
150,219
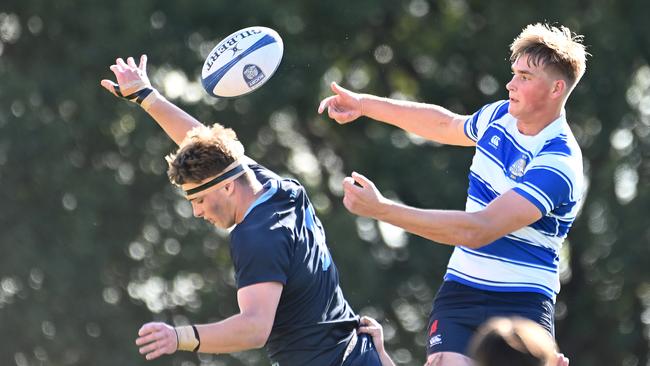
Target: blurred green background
x,y
94,241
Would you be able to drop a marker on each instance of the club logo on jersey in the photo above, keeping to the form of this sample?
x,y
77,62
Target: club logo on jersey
x,y
253,75
494,141
517,168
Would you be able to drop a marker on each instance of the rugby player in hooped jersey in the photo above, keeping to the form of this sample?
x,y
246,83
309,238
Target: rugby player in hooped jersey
x,y
288,288
525,188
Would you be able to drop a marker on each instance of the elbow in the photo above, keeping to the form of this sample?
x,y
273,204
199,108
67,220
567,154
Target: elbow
x,y
479,230
259,337
477,238
258,342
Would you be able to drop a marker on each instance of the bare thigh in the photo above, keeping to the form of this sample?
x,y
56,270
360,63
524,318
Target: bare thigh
x,y
448,359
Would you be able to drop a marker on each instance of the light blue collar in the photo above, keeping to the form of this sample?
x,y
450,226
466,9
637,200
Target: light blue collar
x,y
270,191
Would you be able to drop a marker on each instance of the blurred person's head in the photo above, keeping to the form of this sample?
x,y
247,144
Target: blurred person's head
x,y
512,341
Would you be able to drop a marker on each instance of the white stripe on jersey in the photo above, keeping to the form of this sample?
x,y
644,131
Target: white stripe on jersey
x,y
546,169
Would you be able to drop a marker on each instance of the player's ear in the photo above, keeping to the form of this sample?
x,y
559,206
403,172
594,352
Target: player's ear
x,y
229,188
559,88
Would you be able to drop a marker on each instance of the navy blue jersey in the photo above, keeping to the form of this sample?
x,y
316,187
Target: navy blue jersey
x,y
281,240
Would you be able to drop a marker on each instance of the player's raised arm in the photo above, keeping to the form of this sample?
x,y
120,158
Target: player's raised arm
x,y
430,121
134,85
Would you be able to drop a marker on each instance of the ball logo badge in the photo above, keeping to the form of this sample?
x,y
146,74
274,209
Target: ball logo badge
x,y
253,75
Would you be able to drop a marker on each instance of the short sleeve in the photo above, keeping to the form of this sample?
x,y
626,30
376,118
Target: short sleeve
x,y
477,123
550,183
261,255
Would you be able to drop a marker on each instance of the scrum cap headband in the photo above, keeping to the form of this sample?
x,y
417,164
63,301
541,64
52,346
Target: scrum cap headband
x,y
233,171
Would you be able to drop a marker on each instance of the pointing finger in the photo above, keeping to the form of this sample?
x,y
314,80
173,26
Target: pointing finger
x,y
335,87
325,103
131,62
143,63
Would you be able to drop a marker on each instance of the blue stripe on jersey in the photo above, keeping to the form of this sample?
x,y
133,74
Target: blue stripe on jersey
x,y
500,111
517,263
471,125
514,286
491,157
547,225
551,226
564,210
557,146
480,189
555,184
513,141
511,249
477,201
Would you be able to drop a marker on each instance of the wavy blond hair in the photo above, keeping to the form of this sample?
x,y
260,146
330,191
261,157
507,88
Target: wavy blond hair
x,y
552,47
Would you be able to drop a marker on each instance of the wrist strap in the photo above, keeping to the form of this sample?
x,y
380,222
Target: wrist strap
x,y
188,338
145,97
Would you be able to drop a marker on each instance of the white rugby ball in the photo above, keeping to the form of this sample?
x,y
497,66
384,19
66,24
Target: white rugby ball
x,y
242,62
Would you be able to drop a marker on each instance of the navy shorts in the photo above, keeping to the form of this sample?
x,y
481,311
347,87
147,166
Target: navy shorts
x,y
364,353
458,310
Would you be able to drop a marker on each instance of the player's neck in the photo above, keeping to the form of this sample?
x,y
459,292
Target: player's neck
x,y
533,124
247,195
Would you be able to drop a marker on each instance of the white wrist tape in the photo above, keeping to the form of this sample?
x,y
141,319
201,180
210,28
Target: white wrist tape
x,y
151,99
188,338
138,92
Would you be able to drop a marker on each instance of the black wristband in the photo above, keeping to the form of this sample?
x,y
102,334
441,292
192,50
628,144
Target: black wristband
x,y
136,97
196,335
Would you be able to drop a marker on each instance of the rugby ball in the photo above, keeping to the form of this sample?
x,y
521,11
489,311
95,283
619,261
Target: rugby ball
x,y
242,62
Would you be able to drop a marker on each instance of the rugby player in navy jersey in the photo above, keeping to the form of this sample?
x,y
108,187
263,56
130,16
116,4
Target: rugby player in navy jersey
x,y
288,288
525,188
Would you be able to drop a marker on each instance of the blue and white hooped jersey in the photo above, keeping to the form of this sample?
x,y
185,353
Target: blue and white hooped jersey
x,y
546,169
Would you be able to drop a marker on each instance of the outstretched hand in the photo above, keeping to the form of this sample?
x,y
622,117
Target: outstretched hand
x,y
361,197
131,78
561,360
156,339
343,107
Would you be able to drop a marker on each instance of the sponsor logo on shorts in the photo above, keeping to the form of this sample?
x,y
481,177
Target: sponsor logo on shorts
x,y
435,340
253,75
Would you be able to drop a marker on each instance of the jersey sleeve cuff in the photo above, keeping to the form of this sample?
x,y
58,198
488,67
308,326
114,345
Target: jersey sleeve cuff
x,y
540,206
249,282
467,129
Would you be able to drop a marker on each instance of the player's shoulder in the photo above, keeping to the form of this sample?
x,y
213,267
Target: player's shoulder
x,y
493,111
562,146
562,155
263,227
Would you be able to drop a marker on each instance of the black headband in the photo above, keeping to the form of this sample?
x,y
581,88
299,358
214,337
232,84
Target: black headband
x,y
232,172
